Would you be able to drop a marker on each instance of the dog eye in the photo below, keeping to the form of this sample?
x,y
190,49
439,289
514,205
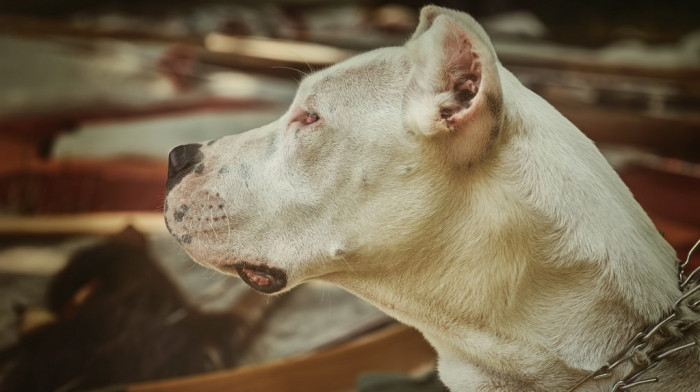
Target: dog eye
x,y
310,118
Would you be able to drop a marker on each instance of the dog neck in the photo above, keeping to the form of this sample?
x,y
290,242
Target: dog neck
x,y
530,273
510,300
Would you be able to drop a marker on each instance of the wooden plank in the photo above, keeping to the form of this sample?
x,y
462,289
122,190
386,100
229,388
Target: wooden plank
x,y
665,134
394,349
47,125
591,64
82,186
31,26
95,223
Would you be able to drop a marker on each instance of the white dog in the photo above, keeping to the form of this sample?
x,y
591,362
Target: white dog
x,y
429,181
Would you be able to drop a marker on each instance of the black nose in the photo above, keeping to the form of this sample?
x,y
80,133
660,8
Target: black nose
x,y
183,157
181,161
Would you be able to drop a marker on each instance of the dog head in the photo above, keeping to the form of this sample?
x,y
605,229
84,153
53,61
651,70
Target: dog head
x,y
356,169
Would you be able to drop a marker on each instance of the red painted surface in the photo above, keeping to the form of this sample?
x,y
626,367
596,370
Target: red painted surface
x,y
673,203
83,186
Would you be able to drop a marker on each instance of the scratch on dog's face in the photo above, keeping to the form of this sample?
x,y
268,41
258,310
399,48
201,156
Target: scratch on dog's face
x,y
303,193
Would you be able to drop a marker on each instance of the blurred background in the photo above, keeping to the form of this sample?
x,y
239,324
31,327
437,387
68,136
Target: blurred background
x,y
94,94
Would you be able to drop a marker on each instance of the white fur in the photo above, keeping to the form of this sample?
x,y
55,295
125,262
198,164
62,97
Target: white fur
x,y
519,254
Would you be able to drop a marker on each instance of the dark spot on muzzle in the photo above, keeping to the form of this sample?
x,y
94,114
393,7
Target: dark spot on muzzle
x,y
262,278
180,212
181,161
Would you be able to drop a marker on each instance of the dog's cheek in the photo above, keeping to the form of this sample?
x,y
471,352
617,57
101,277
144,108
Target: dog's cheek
x,y
302,150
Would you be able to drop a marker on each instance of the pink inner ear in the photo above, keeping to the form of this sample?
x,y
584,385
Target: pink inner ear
x,y
462,65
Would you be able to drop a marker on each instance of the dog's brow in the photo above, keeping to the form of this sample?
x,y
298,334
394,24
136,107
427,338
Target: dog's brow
x,y
305,89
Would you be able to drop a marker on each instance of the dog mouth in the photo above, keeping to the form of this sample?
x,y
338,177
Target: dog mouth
x,y
262,278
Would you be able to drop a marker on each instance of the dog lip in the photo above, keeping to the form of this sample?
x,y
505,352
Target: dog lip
x,y
262,278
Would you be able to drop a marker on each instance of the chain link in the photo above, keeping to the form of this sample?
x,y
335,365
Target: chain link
x,y
638,351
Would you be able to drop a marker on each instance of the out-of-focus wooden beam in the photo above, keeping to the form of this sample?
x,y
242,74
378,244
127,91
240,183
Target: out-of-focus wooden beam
x,y
394,349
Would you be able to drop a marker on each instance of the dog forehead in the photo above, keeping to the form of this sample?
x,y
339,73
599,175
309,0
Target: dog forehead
x,y
379,69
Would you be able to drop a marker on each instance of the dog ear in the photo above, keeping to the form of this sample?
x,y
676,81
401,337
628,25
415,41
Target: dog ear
x,y
454,96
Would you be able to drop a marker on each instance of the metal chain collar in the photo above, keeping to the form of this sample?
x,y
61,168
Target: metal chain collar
x,y
648,348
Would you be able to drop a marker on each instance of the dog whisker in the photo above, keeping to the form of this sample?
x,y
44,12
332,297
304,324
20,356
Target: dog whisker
x,y
228,223
206,233
211,218
299,77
